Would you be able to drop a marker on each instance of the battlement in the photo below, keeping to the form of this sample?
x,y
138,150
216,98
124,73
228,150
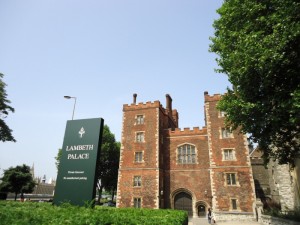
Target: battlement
x,y
188,131
211,98
141,105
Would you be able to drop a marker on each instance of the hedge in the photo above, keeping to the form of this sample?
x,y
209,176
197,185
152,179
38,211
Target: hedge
x,y
32,213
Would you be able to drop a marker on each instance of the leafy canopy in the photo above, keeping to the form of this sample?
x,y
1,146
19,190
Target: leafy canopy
x,y
258,43
5,132
17,180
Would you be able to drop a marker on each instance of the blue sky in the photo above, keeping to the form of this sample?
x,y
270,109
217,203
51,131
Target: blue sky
x,y
101,51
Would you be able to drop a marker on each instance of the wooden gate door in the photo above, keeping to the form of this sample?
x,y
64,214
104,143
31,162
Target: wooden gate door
x,y
183,201
201,211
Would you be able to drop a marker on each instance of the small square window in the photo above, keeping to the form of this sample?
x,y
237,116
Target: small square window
x,y
137,202
231,178
138,157
228,154
222,114
140,119
226,133
140,137
137,181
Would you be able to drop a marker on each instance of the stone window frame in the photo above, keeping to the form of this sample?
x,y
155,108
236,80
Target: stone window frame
x,y
231,203
227,131
137,202
140,159
139,119
236,180
221,114
195,154
233,154
137,181
140,136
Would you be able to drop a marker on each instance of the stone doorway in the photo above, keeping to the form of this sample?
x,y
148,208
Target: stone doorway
x,y
201,210
183,201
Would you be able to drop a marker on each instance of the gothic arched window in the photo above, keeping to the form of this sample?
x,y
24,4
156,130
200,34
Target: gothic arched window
x,y
186,154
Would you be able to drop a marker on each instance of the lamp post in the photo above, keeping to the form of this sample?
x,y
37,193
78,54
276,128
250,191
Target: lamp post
x,y
68,97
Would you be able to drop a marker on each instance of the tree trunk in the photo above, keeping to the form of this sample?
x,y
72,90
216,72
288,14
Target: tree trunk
x,y
113,194
100,193
16,194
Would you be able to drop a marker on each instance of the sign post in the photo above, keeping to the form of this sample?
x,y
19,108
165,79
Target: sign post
x,y
76,179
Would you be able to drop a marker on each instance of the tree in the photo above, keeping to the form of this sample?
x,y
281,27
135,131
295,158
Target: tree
x,y
5,132
258,43
108,167
17,180
57,158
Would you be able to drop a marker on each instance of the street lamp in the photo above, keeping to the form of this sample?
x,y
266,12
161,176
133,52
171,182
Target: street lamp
x,y
68,97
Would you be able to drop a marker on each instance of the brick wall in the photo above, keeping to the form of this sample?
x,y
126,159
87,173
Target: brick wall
x,y
191,178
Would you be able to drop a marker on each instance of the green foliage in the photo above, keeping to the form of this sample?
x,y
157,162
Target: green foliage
x,y
89,204
44,213
258,43
108,166
57,158
17,180
5,132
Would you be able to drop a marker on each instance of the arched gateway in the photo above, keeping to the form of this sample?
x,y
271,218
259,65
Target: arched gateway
x,y
183,201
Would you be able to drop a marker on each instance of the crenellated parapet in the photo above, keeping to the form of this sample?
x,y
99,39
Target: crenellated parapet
x,y
187,131
211,98
141,105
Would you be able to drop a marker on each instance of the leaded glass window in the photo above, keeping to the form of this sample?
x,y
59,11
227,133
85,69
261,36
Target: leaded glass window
x,y
186,154
137,202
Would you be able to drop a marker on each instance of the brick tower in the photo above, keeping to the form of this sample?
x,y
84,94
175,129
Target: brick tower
x,y
230,167
140,181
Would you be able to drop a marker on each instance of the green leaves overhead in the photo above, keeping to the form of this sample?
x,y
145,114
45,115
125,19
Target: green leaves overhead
x,y
258,43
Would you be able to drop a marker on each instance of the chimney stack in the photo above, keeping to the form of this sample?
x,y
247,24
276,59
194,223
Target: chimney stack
x,y
134,98
169,103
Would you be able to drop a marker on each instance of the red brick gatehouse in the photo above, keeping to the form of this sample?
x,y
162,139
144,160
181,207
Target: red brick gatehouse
x,y
162,166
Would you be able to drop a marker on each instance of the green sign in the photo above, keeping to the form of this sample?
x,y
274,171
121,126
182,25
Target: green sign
x,y
76,179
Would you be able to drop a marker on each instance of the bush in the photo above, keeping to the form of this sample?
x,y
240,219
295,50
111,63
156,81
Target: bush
x,y
271,207
274,209
291,215
3,196
32,213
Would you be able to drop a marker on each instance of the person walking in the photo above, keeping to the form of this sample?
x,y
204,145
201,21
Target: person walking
x,y
209,215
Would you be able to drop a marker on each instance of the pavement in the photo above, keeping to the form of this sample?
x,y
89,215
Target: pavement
x,y
198,221
203,221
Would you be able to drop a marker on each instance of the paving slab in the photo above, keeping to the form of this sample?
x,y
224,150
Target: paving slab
x,y
239,222
198,221
203,221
